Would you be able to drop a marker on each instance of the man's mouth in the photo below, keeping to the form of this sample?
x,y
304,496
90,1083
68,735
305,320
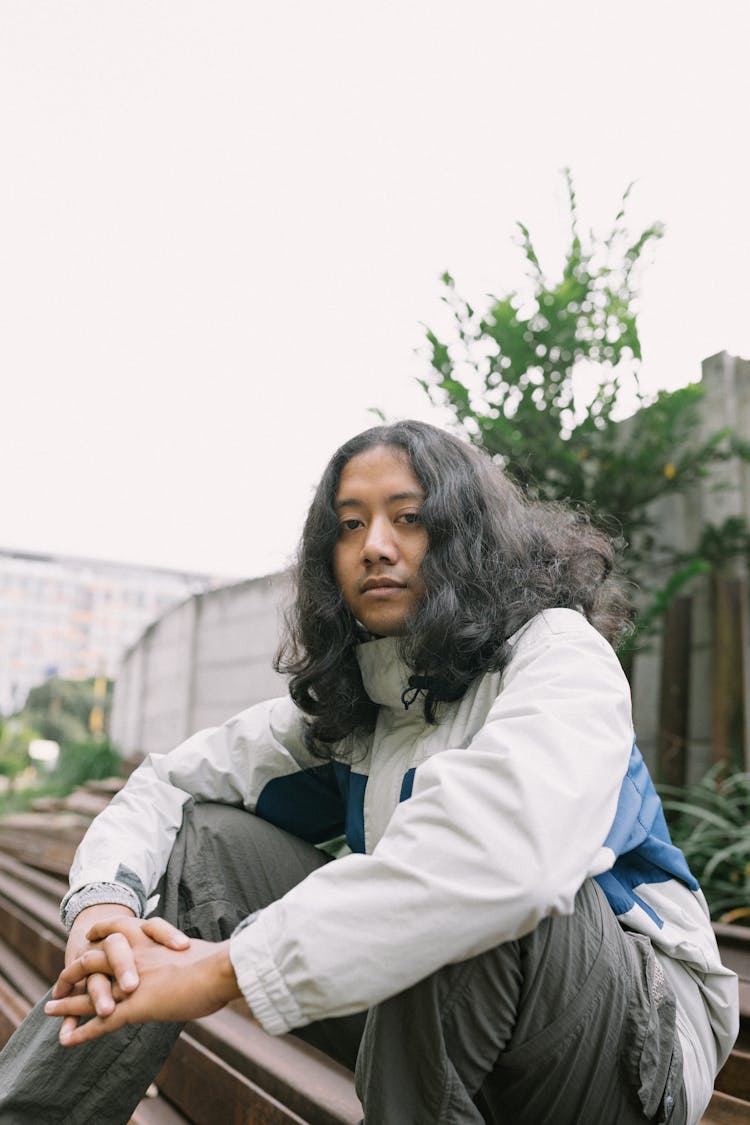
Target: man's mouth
x,y
381,584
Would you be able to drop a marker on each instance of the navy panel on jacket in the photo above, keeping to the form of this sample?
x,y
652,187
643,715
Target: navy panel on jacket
x,y
308,804
352,788
407,784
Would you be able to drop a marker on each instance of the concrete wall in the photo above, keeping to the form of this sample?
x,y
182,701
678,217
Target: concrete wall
x,y
211,656
199,664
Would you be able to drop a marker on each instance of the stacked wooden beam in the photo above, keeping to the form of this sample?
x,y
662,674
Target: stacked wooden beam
x,y
224,1067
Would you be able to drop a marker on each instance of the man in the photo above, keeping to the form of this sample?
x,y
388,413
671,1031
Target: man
x,y
457,711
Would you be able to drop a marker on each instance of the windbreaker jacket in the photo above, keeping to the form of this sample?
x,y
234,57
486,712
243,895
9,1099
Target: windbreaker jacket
x,y
463,834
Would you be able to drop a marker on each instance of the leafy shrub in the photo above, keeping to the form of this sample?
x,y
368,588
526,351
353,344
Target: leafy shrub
x,y
710,822
84,761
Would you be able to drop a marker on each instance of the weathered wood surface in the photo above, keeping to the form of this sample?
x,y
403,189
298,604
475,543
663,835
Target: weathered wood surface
x,y
734,1078
726,1110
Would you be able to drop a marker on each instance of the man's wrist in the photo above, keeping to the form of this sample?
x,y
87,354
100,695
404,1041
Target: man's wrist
x,y
96,894
226,979
101,910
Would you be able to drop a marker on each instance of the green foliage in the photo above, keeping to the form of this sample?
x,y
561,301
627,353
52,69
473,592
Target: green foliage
x,y
17,800
660,601
509,376
60,709
720,542
14,746
84,761
77,764
710,822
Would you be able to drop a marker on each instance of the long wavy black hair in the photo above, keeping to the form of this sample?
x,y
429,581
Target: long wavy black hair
x,y
494,559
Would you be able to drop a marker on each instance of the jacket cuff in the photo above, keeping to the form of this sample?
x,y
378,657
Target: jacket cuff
x,y
260,981
94,894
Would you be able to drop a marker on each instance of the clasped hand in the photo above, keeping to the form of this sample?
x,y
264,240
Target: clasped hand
x,y
128,970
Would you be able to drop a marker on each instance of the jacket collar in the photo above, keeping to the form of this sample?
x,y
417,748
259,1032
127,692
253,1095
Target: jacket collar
x,y
384,675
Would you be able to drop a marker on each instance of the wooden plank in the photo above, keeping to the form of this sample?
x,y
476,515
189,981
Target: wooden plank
x,y
41,947
108,785
156,1111
7,1024
726,1110
13,1009
23,978
64,825
87,804
744,1001
208,1090
734,946
734,1076
313,1085
37,904
41,842
52,885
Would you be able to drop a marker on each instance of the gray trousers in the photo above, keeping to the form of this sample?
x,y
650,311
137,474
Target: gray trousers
x,y
572,1025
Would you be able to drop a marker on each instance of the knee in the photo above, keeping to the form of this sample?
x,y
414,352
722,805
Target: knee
x,y
208,820
212,838
205,888
225,832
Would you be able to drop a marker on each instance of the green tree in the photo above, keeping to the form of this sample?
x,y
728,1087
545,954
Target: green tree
x,y
14,747
71,713
508,374
61,709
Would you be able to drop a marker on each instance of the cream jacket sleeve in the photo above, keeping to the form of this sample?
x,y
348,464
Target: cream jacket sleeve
x,y
125,851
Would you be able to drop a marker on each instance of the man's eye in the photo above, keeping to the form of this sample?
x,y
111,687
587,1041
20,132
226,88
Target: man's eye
x,y
350,525
410,517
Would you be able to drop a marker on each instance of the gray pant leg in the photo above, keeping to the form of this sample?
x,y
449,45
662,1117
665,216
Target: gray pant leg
x,y
595,1039
42,1083
225,864
564,1026
426,1051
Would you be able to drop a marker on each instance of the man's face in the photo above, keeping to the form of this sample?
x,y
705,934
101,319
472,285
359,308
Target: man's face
x,y
381,540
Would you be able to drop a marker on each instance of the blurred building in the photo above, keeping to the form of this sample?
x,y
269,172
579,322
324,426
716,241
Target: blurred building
x,y
73,617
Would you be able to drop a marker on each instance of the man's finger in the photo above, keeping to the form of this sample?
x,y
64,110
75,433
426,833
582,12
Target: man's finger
x,y
92,961
119,923
71,1006
158,929
99,988
69,1024
122,962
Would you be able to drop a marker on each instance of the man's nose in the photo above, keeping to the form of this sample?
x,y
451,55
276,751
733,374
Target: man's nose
x,y
380,543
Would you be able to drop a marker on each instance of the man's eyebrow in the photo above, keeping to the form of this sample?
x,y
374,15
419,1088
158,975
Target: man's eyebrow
x,y
352,502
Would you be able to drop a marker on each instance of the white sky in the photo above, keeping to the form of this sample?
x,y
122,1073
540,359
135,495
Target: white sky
x,y
222,224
